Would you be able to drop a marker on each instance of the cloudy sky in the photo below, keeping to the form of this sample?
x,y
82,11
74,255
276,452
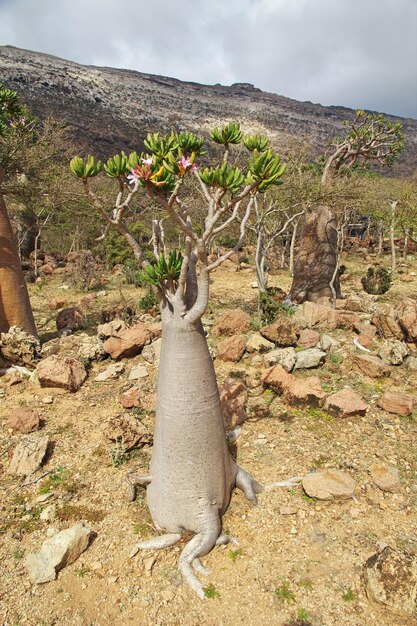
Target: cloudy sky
x,y
356,53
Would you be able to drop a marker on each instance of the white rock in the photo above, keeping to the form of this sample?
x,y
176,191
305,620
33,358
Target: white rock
x,y
329,344
286,357
328,485
60,550
256,343
307,359
138,371
28,455
110,373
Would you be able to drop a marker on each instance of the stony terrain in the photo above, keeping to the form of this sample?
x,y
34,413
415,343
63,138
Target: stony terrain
x,y
301,559
108,110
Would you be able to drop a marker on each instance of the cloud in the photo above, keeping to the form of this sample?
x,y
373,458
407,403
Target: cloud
x,y
356,53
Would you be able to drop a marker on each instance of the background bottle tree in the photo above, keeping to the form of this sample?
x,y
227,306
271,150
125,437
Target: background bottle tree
x,y
370,139
16,128
192,473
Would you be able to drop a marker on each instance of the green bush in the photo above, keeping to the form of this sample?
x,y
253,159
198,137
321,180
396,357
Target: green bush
x,y
377,281
116,250
271,305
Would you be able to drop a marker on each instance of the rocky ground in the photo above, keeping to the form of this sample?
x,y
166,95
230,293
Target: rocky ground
x,y
301,559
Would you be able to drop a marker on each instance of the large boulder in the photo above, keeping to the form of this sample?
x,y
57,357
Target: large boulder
x,y
57,552
128,343
397,403
282,332
312,315
231,323
308,359
61,372
391,580
233,398
19,347
393,351
386,324
345,403
371,366
406,313
329,485
231,348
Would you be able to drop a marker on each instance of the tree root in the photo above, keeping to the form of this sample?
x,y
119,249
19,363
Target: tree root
x,y
134,479
248,485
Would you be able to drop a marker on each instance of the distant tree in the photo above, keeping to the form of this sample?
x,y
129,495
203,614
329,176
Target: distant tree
x,y
370,138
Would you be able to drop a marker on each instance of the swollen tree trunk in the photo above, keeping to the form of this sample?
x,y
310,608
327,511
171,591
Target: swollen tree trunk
x,y
316,259
15,309
192,472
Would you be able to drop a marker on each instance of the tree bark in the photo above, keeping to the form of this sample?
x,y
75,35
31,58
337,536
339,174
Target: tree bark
x,y
15,309
392,235
316,259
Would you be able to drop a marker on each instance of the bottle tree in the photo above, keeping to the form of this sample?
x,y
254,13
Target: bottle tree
x,y
192,474
16,130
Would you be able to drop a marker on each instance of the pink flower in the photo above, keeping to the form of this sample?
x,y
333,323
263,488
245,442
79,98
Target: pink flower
x,y
186,165
148,161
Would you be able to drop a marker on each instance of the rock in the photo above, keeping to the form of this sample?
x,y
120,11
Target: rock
x,y
138,371
307,359
355,304
329,485
111,329
393,351
28,454
19,347
391,580
46,269
283,332
386,325
62,372
406,314
286,357
308,338
277,379
257,343
111,372
138,397
85,347
56,304
387,478
411,363
397,403
23,421
71,318
345,403
233,398
287,510
152,352
57,552
370,366
231,348
329,344
49,513
128,431
367,336
407,278
232,322
127,343
312,315
349,320
306,392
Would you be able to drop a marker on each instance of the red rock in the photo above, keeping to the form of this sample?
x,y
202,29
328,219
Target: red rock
x,y
62,372
23,421
155,330
71,318
306,392
387,326
137,397
128,342
277,379
398,403
312,315
232,322
231,348
367,336
406,312
349,320
283,332
233,398
345,403
371,366
308,338
55,304
46,269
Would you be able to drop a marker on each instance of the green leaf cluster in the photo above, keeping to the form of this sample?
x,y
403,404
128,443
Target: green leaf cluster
x,y
265,168
164,269
120,164
230,133
223,176
85,168
256,142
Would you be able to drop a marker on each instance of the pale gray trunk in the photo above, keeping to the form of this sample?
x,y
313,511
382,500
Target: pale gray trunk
x,y
381,230
292,245
260,262
406,239
392,236
192,472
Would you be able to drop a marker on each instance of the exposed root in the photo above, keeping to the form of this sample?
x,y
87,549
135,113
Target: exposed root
x,y
157,543
295,480
134,479
199,568
248,485
222,540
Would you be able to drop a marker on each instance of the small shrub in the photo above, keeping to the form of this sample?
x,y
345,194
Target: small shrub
x,y
284,593
348,596
148,302
244,259
211,592
271,305
377,282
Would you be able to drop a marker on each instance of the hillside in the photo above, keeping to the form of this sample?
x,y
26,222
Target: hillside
x,y
110,109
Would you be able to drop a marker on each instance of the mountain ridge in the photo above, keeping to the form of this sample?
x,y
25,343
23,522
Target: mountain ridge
x,y
110,109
